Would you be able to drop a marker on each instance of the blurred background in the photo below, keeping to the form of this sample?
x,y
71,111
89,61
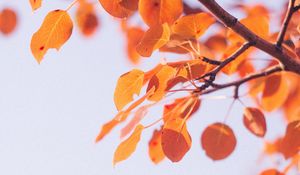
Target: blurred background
x,y
51,113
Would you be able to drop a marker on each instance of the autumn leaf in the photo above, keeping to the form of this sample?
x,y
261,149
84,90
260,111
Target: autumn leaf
x,y
121,116
53,33
8,21
290,144
155,151
257,24
128,84
175,140
254,121
115,8
275,92
35,4
128,146
86,18
159,81
138,116
153,39
218,141
193,26
271,172
155,12
130,4
134,36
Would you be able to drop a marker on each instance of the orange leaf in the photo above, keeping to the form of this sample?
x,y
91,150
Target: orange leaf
x,y
155,151
290,144
134,36
193,26
257,24
128,84
128,146
121,116
115,8
138,116
275,92
155,12
160,82
271,172
35,4
54,32
153,39
130,4
176,141
218,141
86,18
8,21
255,121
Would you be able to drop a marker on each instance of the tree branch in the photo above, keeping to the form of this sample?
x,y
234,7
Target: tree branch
x,y
289,63
286,22
238,83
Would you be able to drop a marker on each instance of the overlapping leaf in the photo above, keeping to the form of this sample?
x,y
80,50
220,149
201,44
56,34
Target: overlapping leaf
x,y
155,12
153,39
155,151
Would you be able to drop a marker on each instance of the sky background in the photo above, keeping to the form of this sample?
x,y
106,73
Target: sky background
x,y
51,113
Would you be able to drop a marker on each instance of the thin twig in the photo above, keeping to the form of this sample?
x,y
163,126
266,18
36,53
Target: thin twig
x,y
285,24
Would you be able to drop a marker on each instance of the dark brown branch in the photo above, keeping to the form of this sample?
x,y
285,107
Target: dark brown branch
x,y
286,22
289,63
238,83
211,61
212,75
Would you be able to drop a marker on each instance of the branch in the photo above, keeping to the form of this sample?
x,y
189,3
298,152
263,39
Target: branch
x,y
238,83
212,75
289,63
287,19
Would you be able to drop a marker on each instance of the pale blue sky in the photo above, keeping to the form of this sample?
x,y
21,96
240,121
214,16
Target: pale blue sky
x,y
51,113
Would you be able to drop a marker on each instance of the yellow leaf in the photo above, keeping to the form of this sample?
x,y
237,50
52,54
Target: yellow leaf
x,y
128,146
160,82
193,26
128,84
153,39
54,32
155,12
35,4
155,151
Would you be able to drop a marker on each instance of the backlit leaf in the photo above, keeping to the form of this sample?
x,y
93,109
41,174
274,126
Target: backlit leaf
x,y
155,151
193,26
134,36
115,8
271,172
257,24
53,33
218,141
254,121
121,116
128,84
290,144
155,12
160,82
275,92
8,21
153,39
86,18
176,140
128,146
35,4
